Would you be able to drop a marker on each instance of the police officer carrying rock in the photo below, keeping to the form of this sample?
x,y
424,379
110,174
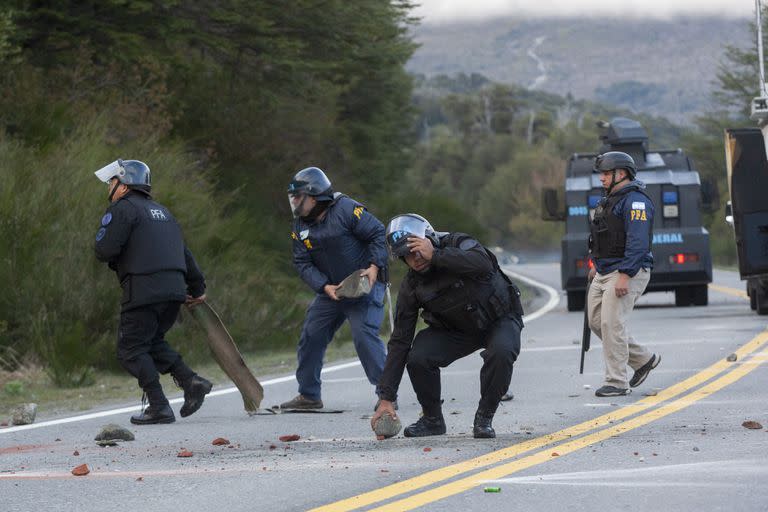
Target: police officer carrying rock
x,y
620,247
468,304
334,236
142,242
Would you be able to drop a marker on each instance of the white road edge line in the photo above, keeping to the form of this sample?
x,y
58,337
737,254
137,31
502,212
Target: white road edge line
x,y
554,299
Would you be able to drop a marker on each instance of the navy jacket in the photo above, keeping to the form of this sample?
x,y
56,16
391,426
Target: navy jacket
x,y
346,239
637,211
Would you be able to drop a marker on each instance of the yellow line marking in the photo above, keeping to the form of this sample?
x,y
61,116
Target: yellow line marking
x,y
447,472
504,470
729,291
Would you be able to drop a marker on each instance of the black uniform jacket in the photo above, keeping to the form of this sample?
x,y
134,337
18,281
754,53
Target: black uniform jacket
x,y
458,258
142,242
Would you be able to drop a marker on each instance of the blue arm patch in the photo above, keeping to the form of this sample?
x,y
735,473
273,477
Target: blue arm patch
x,y
100,234
106,219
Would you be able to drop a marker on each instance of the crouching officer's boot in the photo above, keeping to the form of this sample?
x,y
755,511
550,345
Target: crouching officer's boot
x,y
159,411
195,390
426,426
482,428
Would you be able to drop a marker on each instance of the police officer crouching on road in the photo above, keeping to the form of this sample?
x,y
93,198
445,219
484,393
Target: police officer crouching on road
x,y
620,246
334,236
468,304
142,242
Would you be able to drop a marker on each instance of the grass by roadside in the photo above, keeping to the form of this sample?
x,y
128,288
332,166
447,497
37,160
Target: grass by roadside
x,y
32,384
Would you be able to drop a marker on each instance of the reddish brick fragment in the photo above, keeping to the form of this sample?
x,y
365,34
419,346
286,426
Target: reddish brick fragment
x,y
751,425
81,470
427,449
289,438
555,454
184,453
220,441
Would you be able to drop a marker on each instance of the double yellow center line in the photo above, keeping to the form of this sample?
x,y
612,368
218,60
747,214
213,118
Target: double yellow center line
x,y
567,438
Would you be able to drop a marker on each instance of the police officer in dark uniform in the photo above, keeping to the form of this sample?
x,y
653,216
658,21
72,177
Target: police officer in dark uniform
x,y
142,242
334,236
620,247
468,304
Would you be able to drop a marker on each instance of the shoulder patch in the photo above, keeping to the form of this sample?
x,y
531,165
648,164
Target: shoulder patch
x,y
157,214
358,211
294,235
468,244
638,205
106,219
100,234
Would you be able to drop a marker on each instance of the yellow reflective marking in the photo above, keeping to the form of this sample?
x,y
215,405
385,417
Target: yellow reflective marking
x,y
294,236
448,472
307,243
358,211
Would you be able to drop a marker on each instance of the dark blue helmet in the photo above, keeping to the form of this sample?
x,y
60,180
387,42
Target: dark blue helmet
x,y
134,173
404,226
313,182
615,160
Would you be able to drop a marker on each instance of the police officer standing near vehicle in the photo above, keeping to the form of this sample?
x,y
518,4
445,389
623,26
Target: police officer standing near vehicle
x,y
468,304
334,236
620,247
142,242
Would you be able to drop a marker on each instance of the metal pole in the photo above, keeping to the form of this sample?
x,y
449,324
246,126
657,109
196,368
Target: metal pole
x,y
759,22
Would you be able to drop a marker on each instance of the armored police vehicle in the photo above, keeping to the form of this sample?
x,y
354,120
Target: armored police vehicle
x,y
747,210
682,260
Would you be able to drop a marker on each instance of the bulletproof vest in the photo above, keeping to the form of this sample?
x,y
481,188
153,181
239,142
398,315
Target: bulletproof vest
x,y
466,303
608,237
156,243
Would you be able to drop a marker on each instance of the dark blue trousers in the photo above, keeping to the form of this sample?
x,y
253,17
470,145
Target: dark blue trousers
x,y
324,317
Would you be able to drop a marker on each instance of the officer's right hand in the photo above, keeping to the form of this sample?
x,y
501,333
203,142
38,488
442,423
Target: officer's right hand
x,y
592,273
194,301
385,407
330,290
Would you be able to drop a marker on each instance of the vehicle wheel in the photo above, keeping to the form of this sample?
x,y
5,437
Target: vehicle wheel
x,y
683,296
752,298
700,295
761,296
576,301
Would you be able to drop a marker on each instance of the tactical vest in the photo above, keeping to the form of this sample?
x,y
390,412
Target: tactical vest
x,y
608,238
156,243
468,304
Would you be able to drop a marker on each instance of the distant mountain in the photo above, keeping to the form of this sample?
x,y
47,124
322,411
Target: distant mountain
x,y
657,67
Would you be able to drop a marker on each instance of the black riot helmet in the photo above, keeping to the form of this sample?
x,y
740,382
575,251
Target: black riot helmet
x,y
613,160
313,182
133,173
407,225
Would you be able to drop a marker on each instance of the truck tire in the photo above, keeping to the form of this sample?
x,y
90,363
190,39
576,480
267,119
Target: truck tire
x,y
752,298
576,301
761,295
700,295
683,296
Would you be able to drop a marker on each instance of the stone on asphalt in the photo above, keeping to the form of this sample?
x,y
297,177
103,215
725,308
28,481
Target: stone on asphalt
x,y
81,470
387,426
752,425
114,432
24,414
731,358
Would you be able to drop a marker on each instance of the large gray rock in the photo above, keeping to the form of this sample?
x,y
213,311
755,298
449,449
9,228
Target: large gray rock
x,y
24,414
112,433
387,426
353,286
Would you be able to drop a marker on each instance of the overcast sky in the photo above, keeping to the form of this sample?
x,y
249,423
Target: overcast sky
x,y
455,10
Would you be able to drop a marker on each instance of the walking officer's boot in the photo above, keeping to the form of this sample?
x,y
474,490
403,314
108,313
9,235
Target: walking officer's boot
x,y
195,390
482,428
426,426
158,411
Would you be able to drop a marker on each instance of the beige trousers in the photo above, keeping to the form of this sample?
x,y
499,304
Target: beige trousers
x,y
608,317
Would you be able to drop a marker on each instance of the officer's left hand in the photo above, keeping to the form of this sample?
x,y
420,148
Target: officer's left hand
x,y
422,246
194,301
622,285
372,273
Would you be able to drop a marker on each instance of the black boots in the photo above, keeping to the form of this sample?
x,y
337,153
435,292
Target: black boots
x,y
426,426
195,390
482,428
153,415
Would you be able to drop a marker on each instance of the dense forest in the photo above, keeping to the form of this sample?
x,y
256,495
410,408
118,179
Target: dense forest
x,y
226,100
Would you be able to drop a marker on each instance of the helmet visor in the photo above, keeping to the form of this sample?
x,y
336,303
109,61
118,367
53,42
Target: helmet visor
x,y
109,171
398,231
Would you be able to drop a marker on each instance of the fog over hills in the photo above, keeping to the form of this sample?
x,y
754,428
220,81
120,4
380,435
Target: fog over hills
x,y
660,67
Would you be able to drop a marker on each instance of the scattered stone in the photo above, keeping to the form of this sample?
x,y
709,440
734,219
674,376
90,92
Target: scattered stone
x,y
753,425
587,386
696,448
731,358
220,441
184,453
81,470
289,438
555,454
76,453
636,453
641,459
387,426
427,449
114,432
651,392
574,396
272,447
455,412
140,479
24,414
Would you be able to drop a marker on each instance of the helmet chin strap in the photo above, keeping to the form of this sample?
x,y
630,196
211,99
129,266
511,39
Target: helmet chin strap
x,y
614,182
114,189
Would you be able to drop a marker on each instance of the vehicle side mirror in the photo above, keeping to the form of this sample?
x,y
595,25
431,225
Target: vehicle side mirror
x,y
550,205
710,196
